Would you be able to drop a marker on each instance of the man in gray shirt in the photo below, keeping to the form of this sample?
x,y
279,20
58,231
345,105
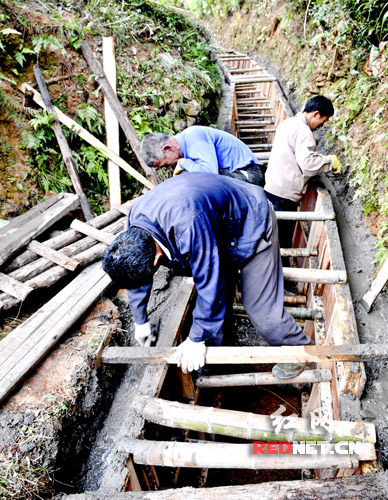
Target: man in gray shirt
x,y
294,159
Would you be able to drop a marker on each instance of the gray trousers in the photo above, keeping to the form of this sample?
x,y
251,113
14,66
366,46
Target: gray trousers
x,y
262,291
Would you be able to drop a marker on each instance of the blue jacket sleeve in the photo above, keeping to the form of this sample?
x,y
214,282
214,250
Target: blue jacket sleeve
x,y
138,300
202,158
198,243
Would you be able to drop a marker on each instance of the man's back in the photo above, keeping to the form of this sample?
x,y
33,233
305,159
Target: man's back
x,y
185,212
210,149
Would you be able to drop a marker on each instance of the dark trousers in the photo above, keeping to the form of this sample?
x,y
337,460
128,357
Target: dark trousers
x,y
254,174
285,227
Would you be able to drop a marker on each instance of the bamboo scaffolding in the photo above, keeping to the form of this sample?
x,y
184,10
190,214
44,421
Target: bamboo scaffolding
x,y
234,456
247,425
252,354
266,378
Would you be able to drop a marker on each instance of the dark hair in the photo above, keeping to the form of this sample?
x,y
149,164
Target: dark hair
x,y
130,259
319,103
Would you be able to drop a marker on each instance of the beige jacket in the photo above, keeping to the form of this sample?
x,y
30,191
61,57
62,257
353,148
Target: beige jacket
x,y
293,159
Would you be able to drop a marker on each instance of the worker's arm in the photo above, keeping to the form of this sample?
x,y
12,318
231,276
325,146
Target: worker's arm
x,y
138,300
202,157
310,162
198,244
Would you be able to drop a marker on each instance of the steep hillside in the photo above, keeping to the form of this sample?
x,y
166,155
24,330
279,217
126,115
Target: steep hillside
x,y
167,79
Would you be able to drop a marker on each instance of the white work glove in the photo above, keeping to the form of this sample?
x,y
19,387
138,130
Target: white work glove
x,y
143,334
191,355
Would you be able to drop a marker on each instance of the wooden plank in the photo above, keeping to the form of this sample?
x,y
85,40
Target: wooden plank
x,y
254,79
236,456
97,234
88,137
43,273
366,487
253,354
14,287
63,145
49,253
111,122
265,378
19,236
25,346
376,286
118,109
15,223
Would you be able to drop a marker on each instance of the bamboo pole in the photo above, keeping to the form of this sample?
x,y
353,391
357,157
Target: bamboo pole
x,y
296,312
252,354
330,276
118,109
295,299
235,456
247,425
309,216
298,252
63,145
266,378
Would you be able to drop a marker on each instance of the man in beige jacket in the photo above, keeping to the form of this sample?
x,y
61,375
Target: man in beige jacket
x,y
294,159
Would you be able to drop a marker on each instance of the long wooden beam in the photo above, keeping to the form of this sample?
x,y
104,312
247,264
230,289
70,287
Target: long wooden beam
x,y
265,378
250,426
252,354
365,486
63,146
88,137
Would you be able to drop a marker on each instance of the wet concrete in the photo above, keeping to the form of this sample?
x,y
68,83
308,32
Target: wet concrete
x,y
358,244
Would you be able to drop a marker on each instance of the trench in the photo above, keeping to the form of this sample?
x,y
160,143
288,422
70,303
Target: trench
x,y
103,434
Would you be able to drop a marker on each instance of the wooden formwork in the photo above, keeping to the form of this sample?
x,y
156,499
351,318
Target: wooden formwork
x,y
321,277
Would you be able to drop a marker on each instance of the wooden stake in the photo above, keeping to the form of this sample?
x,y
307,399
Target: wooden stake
x,y
63,145
247,425
252,354
376,286
118,109
111,122
266,378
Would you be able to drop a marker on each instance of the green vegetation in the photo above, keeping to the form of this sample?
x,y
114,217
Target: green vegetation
x,y
164,63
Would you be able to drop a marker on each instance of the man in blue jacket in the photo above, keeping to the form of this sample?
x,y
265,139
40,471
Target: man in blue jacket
x,y
203,149
205,226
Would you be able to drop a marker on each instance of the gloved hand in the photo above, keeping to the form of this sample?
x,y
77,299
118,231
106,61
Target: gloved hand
x,y
143,334
191,355
337,167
